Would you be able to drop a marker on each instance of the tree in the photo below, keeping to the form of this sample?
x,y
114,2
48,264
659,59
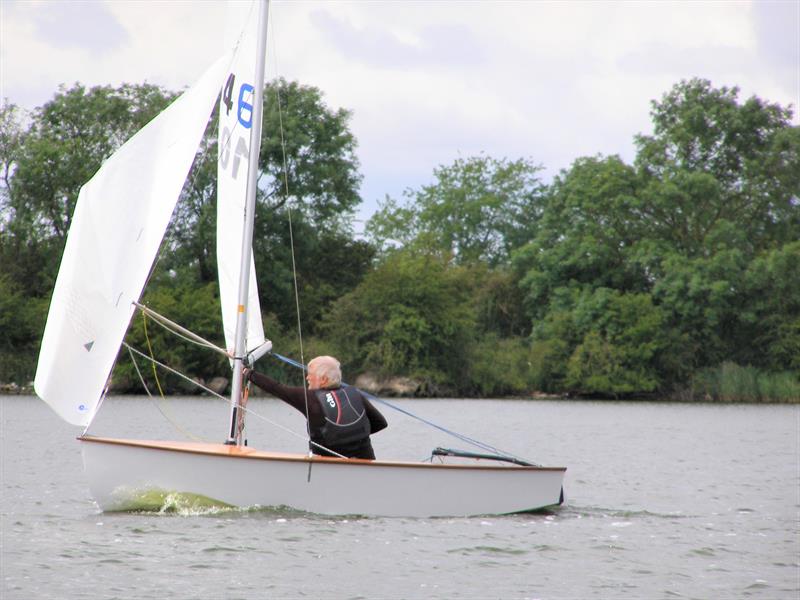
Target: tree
x,y
713,192
410,316
197,308
722,181
67,140
12,138
308,155
712,160
320,173
590,234
770,322
478,210
20,323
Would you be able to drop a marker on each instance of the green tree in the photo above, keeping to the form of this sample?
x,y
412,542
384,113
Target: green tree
x,y
308,155
713,192
477,210
67,140
722,181
770,322
20,323
410,316
589,235
623,341
712,160
320,173
195,307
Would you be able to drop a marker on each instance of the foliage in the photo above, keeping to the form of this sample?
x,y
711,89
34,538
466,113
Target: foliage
x,y
477,210
329,264
730,382
498,366
67,140
410,316
195,308
678,273
20,322
701,229
308,154
320,173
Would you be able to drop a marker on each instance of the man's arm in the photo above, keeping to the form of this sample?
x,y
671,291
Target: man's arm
x,y
294,396
377,421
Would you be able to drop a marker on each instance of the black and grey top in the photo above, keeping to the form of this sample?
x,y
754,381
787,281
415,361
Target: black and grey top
x,y
342,423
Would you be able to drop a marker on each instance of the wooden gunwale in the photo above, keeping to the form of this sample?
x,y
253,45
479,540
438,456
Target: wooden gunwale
x,y
246,452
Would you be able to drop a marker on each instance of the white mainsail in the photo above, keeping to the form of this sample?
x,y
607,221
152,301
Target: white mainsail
x,y
118,225
235,123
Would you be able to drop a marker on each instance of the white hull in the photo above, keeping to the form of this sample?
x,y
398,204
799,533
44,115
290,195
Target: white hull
x,y
122,471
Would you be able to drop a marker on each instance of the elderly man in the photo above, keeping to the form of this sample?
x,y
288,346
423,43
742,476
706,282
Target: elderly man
x,y
340,418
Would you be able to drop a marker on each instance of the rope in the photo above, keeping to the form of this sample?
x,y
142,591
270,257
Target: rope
x,y
460,436
226,400
161,409
179,331
291,228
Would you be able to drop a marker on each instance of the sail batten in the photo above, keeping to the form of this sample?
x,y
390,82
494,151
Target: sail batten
x,y
119,222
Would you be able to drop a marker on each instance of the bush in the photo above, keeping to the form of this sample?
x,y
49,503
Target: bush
x,y
730,382
499,367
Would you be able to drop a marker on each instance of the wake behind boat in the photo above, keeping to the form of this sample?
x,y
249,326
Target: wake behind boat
x,y
102,276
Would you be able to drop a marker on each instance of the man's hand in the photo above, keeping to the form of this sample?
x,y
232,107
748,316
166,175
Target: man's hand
x,y
246,373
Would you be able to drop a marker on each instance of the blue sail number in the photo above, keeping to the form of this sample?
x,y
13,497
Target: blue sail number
x,y
245,109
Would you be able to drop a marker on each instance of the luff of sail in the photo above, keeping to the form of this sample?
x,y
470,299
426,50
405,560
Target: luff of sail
x,y
235,122
118,225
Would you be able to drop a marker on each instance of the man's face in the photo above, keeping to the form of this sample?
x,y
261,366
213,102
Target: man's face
x,y
315,381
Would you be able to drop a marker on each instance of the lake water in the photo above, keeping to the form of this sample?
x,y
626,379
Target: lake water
x,y
662,501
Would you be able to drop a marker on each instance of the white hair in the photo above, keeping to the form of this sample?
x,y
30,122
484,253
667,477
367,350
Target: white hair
x,y
327,367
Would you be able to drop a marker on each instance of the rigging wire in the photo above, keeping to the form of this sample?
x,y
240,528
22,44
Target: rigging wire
x,y
168,325
158,405
223,398
291,228
177,330
192,338
460,436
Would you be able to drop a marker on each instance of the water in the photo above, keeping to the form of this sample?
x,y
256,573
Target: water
x,y
663,501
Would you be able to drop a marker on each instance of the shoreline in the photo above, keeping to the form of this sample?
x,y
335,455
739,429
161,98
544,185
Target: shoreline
x,y
9,391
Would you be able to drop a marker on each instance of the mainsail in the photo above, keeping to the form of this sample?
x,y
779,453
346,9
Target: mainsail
x,y
118,225
235,123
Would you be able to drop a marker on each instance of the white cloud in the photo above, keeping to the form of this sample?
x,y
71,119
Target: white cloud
x,y
428,81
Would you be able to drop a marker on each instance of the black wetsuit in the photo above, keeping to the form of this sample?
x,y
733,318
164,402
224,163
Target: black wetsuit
x,y
296,397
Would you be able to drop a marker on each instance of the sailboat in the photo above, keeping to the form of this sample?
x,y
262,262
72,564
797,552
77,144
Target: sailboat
x,y
118,226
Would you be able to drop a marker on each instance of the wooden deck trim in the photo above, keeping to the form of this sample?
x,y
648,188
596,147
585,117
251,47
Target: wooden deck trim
x,y
246,452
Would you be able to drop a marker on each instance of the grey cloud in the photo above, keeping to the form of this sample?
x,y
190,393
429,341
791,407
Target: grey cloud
x,y
777,28
662,59
449,45
79,24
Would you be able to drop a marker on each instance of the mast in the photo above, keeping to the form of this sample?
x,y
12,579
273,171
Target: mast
x,y
234,435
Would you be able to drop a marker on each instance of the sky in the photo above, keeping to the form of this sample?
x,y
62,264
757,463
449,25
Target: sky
x,y
429,82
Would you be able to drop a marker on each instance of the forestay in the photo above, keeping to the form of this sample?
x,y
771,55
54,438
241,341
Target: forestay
x,y
118,225
235,123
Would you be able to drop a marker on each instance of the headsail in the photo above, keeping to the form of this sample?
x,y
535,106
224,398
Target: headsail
x,y
235,122
118,225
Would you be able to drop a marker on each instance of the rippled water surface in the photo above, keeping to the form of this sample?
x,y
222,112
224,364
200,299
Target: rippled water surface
x,y
662,501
